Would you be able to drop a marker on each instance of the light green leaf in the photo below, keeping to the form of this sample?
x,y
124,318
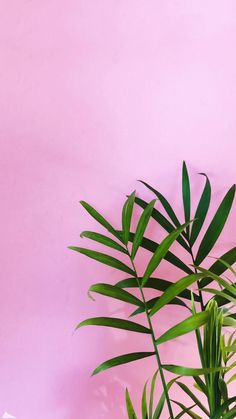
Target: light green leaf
x,y
129,406
161,251
222,282
193,397
231,348
141,227
216,226
229,321
189,372
231,379
114,323
103,258
127,216
115,292
220,294
153,384
144,403
160,405
201,211
120,360
186,326
218,267
100,238
186,410
174,290
101,220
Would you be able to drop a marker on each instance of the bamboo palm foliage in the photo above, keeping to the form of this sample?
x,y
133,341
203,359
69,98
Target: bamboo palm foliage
x,y
215,350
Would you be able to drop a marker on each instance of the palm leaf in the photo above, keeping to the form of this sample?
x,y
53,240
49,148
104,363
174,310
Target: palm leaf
x,y
129,406
126,216
141,227
201,211
186,326
174,290
103,258
114,323
120,360
161,251
101,220
100,238
216,226
155,283
115,292
156,215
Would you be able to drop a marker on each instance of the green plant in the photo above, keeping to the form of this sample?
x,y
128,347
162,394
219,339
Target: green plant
x,y
214,353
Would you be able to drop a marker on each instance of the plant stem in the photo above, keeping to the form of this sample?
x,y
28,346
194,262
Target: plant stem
x,y
165,388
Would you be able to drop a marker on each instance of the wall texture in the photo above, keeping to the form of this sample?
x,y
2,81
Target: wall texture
x,y
95,95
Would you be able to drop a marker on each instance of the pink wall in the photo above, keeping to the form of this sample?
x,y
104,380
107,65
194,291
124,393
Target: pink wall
x,y
95,95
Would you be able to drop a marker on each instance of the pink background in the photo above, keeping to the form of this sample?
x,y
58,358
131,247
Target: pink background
x,y
95,95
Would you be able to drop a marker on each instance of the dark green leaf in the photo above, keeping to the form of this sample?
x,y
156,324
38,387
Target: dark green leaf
x,y
120,360
170,257
114,323
163,222
141,227
231,414
100,238
186,194
223,389
164,203
101,220
216,226
201,385
155,283
115,292
174,290
103,258
152,302
186,326
127,216
129,406
201,211
161,251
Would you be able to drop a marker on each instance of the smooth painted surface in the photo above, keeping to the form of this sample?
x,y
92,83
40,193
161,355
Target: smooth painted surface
x,y
95,95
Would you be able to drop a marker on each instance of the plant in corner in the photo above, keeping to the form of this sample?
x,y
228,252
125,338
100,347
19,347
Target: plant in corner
x,y
207,318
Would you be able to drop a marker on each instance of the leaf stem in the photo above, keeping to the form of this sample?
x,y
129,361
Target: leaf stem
x,y
165,388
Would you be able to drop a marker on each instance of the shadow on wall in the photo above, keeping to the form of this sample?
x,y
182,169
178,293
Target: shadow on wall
x,y
103,395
